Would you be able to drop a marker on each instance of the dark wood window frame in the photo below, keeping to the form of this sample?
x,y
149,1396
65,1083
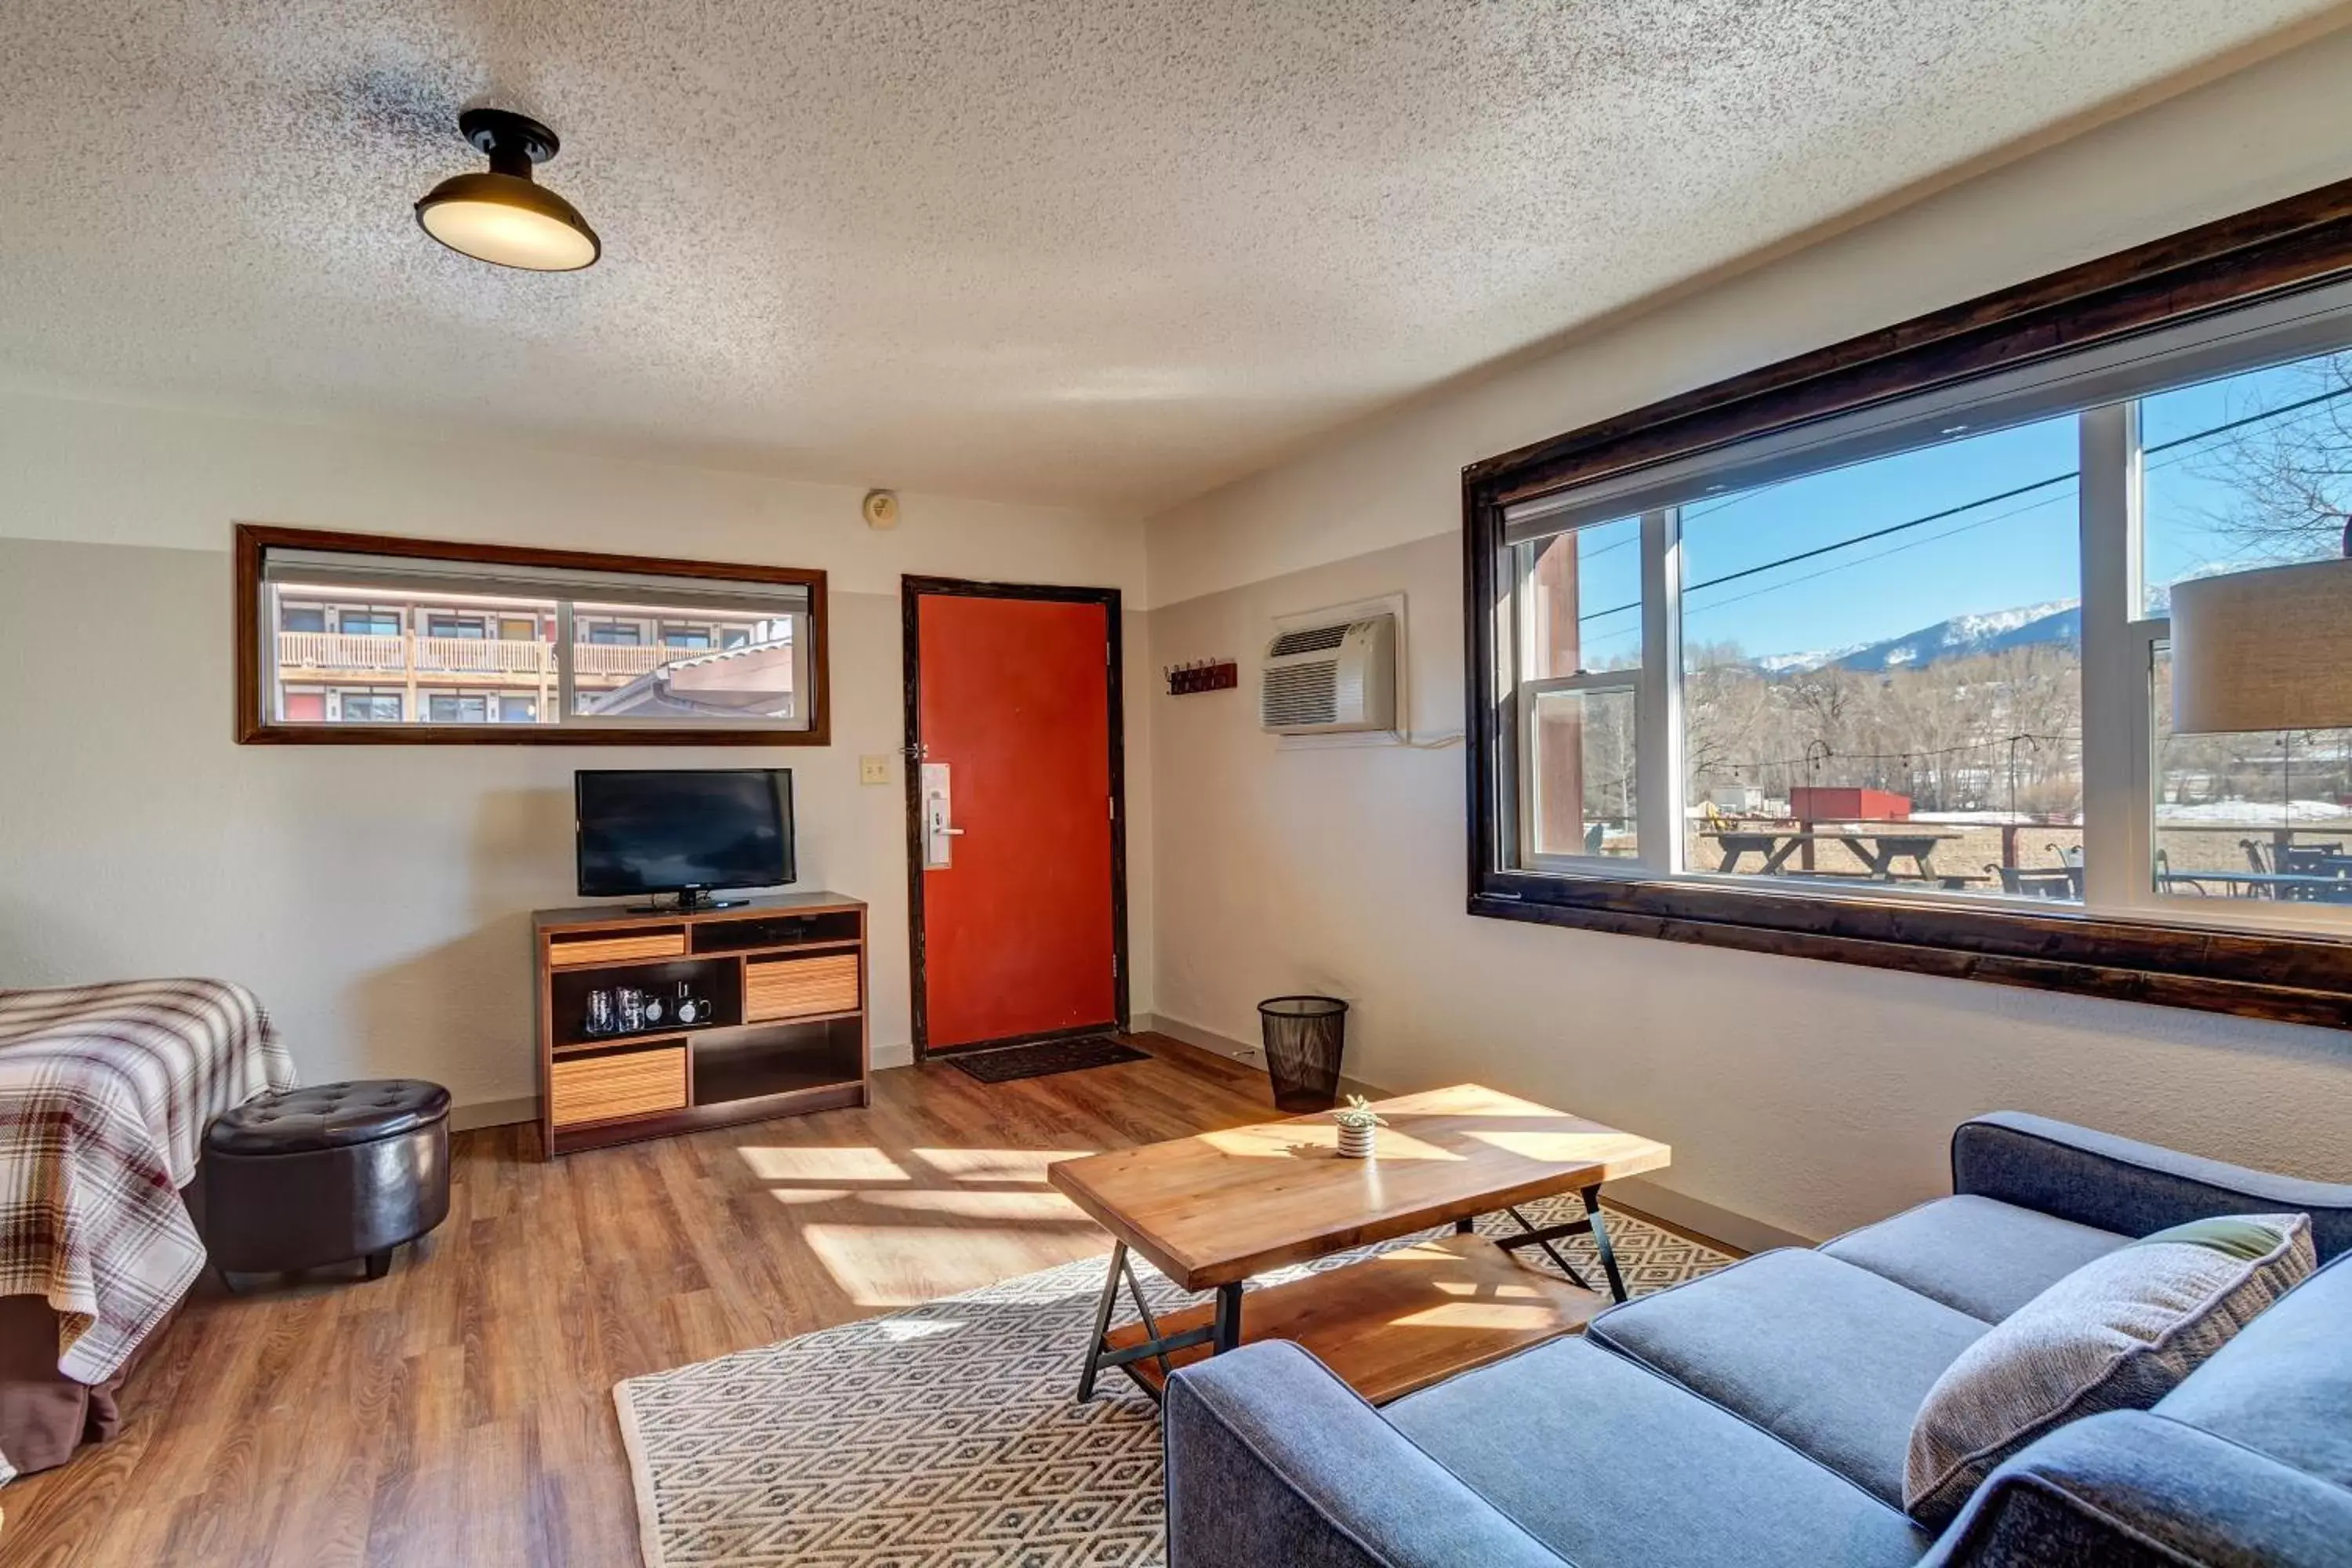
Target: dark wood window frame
x,y
254,727
2302,243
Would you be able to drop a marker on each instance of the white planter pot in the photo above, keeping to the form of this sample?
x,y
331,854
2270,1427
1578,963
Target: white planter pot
x,y
1356,1142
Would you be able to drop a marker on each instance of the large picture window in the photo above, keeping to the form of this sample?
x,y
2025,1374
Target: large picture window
x,y
445,642
1865,657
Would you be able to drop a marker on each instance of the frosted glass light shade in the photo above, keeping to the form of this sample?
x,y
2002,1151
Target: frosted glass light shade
x,y
508,220
2263,650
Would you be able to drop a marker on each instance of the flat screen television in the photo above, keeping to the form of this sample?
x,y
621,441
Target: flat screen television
x,y
683,831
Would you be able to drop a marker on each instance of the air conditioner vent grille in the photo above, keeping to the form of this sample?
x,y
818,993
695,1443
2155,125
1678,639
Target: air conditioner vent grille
x,y
1301,694
1330,676
1312,639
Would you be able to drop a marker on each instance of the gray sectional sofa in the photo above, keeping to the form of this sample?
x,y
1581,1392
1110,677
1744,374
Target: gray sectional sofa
x,y
1760,1416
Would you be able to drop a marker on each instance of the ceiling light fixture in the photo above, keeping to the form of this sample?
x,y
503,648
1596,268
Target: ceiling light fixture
x,y
501,216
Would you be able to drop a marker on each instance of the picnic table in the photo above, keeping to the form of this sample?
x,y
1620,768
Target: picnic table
x,y
1876,848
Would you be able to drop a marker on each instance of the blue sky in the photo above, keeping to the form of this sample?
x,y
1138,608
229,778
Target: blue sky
x,y
2018,552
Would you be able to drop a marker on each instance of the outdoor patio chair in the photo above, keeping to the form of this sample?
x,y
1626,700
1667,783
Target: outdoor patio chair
x,y
2310,859
2169,881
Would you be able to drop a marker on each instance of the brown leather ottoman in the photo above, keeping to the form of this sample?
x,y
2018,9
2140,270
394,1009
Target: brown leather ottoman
x,y
326,1175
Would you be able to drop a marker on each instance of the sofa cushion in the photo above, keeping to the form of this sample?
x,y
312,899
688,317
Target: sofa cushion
x,y
2284,1386
1609,1464
1828,1358
1977,1255
2118,1333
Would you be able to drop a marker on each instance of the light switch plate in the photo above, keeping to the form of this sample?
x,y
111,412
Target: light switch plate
x,y
873,769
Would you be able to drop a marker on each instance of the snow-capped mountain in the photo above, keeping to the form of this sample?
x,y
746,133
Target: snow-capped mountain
x,y
1783,663
2060,621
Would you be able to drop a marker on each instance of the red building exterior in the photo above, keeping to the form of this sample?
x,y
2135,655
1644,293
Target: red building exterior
x,y
1809,803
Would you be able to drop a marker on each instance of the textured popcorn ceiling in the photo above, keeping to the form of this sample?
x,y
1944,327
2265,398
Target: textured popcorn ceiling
x,y
1104,252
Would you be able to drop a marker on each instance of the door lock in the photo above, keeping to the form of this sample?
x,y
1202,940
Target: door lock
x,y
939,835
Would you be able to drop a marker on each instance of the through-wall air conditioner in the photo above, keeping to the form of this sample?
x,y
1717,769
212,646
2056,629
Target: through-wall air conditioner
x,y
1329,679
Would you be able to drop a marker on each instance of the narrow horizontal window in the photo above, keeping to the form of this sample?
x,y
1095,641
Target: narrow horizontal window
x,y
376,639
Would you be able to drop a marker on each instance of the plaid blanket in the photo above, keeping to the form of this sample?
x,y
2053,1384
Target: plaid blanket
x,y
105,1091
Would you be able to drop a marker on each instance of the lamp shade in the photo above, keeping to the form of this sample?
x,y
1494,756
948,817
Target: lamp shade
x,y
2263,650
508,220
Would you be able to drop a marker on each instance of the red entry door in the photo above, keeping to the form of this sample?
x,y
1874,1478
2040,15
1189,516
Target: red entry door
x,y
1011,760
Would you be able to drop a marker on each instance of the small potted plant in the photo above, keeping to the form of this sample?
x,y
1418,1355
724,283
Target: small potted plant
x,y
1357,1124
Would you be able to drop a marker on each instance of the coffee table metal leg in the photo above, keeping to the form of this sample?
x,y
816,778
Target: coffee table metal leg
x,y
1465,1225
1543,1238
1151,1323
1102,1321
1588,1223
1600,1243
1229,1318
1155,1345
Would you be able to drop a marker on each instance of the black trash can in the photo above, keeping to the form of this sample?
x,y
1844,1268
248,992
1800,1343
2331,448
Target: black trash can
x,y
1303,1037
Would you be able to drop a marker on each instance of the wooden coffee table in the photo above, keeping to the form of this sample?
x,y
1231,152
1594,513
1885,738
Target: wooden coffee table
x,y
1210,1211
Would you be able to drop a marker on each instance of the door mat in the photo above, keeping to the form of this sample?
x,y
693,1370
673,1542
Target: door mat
x,y
1006,1063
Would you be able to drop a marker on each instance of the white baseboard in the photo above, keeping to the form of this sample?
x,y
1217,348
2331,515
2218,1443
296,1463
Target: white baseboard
x,y
900,1055
1193,1035
1240,1050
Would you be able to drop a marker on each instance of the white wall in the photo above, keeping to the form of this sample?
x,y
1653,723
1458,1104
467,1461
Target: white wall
x,y
377,898
1805,1096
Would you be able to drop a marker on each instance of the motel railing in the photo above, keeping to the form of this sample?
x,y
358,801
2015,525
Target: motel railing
x,y
314,655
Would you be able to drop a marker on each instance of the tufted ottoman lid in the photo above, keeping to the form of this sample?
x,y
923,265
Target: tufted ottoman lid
x,y
327,1116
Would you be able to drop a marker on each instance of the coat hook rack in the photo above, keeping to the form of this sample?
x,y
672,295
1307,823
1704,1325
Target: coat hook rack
x,y
1202,674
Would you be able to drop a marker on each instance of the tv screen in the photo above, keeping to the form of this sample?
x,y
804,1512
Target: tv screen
x,y
663,832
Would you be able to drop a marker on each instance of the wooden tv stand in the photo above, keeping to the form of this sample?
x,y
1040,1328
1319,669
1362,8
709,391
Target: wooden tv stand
x,y
785,981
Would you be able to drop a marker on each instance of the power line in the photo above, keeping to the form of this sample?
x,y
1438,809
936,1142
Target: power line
x,y
1895,550
2193,436
1842,543
2282,408
1880,534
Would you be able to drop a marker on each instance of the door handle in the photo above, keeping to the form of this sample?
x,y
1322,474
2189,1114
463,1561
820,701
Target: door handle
x,y
939,835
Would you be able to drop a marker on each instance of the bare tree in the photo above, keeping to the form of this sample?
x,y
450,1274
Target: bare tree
x,y
2289,478
1994,730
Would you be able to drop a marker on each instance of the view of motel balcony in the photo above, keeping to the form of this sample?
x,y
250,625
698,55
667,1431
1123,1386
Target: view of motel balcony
x,y
362,655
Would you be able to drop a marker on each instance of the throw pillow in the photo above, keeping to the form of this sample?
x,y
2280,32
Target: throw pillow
x,y
2115,1334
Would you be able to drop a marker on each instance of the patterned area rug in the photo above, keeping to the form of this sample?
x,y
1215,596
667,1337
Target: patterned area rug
x,y
945,1436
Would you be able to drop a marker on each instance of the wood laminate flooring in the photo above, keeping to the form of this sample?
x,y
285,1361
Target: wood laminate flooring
x,y
460,1412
